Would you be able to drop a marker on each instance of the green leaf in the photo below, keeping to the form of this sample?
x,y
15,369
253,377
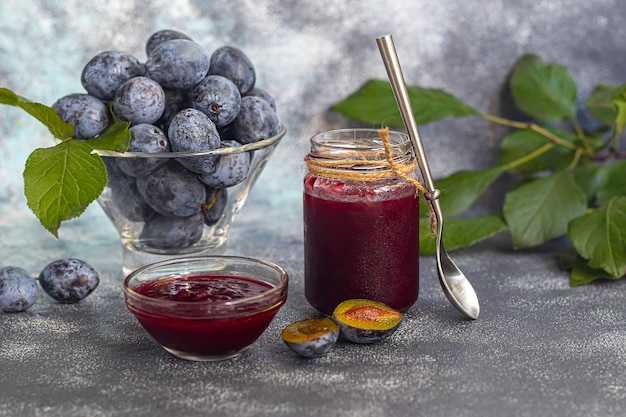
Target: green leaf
x,y
520,145
590,179
614,185
116,138
601,103
595,139
620,120
8,97
375,104
600,237
459,233
539,210
431,105
580,271
544,91
567,258
46,115
60,182
583,274
461,189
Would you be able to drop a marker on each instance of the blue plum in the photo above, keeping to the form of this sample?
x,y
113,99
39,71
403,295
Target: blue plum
x,y
172,191
175,101
148,139
234,64
256,121
88,114
124,194
68,280
178,63
18,289
139,100
213,209
107,71
192,131
163,232
161,36
217,97
231,169
265,95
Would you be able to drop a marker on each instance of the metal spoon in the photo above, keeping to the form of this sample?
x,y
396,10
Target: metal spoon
x,y
455,285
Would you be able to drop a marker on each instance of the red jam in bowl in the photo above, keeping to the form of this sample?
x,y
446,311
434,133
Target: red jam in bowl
x,y
205,316
203,288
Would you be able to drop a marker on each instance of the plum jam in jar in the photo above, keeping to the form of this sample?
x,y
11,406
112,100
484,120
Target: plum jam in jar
x,y
361,219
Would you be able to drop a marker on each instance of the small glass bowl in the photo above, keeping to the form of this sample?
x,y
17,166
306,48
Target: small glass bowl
x,y
222,327
204,233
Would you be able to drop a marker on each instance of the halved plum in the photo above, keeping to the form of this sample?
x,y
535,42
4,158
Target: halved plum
x,y
366,321
311,338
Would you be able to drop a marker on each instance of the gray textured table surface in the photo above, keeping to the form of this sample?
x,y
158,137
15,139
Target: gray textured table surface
x,y
539,347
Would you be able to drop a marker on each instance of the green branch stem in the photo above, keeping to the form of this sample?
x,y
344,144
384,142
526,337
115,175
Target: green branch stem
x,y
583,137
616,145
530,126
529,157
575,160
588,152
579,130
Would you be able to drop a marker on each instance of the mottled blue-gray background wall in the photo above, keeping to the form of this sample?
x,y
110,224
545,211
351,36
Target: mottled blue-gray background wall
x,y
310,54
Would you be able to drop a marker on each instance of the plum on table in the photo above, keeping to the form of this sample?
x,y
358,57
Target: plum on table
x,y
18,289
68,280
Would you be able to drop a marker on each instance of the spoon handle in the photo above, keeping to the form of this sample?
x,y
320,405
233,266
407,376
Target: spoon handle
x,y
390,58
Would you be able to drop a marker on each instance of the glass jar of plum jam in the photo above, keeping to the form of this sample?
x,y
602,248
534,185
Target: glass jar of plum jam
x,y
361,219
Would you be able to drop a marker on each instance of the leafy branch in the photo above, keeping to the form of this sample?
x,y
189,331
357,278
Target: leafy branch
x,y
570,181
61,181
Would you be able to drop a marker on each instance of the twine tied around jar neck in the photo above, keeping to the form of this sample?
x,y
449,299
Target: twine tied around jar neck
x,y
329,168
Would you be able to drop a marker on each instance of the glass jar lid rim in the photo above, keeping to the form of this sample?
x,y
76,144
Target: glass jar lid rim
x,y
360,143
359,138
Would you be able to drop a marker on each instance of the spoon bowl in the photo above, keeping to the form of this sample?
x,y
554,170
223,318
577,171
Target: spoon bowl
x,y
456,286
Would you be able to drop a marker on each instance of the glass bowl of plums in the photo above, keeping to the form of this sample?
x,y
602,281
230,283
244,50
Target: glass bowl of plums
x,y
201,132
